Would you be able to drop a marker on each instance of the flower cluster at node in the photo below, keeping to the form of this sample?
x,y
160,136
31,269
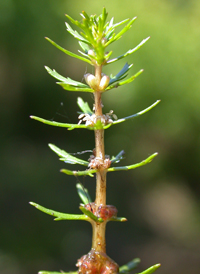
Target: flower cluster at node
x,y
98,162
91,120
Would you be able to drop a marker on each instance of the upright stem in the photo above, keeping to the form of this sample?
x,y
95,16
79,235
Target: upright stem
x,y
98,240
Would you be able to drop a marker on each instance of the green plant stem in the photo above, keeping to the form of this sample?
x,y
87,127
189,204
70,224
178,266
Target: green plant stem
x,y
98,239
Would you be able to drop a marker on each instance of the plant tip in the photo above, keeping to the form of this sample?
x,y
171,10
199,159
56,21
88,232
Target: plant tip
x,y
32,203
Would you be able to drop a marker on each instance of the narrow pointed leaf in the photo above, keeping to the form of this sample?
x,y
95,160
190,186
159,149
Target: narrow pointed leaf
x,y
83,53
84,46
125,29
50,272
144,162
83,194
69,126
110,24
62,272
84,106
120,74
111,169
118,219
60,216
67,80
73,126
104,17
107,56
85,16
75,22
129,266
111,27
127,81
57,124
91,215
72,88
120,23
75,33
69,52
88,37
118,157
119,35
129,51
151,269
136,114
109,34
79,173
66,157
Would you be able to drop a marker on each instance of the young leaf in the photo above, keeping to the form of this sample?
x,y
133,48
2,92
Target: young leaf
x,y
120,75
129,266
83,194
110,28
118,157
75,34
90,215
60,216
84,46
75,22
66,157
119,35
84,106
151,269
103,17
129,80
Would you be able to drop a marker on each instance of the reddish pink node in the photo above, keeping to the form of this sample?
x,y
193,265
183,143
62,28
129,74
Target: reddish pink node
x,y
97,263
105,212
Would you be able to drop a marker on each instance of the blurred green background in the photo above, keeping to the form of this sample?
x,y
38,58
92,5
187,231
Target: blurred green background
x,y
160,200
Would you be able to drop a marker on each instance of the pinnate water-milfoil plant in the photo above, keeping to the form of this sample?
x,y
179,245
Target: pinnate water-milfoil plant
x,y
95,35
